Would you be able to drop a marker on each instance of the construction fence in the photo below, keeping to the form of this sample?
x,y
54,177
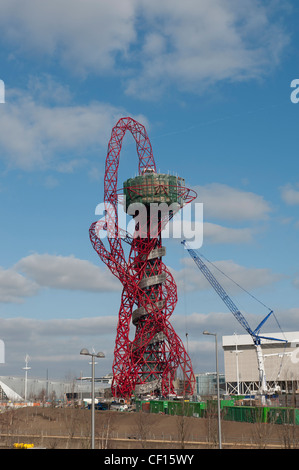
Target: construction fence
x,y
229,411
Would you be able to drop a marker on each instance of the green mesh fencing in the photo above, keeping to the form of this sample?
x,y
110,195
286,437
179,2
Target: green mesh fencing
x,y
154,188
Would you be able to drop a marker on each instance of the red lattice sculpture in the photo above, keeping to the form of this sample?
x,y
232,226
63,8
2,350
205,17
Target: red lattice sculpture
x,y
152,361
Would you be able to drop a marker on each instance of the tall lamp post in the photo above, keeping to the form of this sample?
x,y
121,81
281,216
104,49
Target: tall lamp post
x,y
85,352
26,368
218,389
237,352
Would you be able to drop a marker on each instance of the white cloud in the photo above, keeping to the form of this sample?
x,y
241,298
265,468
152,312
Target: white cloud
x,y
36,271
213,233
191,279
290,195
223,322
37,328
14,287
227,203
151,44
67,272
198,234
82,35
47,90
196,44
39,136
189,225
55,344
288,319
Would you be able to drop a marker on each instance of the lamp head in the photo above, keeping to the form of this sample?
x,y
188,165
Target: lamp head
x,y
84,352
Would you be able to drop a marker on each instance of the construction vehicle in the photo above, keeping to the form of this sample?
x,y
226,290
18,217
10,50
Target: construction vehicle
x,y
255,334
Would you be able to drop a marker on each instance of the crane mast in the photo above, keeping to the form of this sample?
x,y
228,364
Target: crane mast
x,y
256,337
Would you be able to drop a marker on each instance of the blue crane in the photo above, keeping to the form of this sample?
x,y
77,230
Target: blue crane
x,y
255,334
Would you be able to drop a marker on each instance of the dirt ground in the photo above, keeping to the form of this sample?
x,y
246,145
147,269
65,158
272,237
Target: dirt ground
x,y
69,428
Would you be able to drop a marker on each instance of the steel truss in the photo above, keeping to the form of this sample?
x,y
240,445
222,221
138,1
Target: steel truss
x,y
149,363
253,387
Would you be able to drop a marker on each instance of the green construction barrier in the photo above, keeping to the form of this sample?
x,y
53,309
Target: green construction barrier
x,y
244,414
157,406
283,415
229,411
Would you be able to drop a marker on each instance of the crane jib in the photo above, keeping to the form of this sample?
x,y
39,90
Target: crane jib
x,y
227,300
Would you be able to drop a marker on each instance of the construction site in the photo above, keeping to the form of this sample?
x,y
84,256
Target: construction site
x,y
151,363
152,373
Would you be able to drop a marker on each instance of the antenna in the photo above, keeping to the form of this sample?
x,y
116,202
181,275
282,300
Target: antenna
x,y
26,368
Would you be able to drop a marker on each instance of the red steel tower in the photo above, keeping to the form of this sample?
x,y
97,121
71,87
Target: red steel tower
x,y
156,357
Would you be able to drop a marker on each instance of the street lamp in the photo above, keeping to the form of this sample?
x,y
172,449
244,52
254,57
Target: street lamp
x,y
218,389
85,352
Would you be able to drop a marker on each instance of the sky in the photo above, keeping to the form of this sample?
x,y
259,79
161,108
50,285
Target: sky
x,y
211,82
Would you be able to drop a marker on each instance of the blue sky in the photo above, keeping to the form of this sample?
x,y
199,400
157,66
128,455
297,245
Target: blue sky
x,y
210,80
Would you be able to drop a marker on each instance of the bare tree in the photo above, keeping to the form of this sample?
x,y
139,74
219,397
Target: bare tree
x,y
211,423
183,425
143,424
72,423
105,428
53,398
85,430
261,432
8,424
288,431
42,395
